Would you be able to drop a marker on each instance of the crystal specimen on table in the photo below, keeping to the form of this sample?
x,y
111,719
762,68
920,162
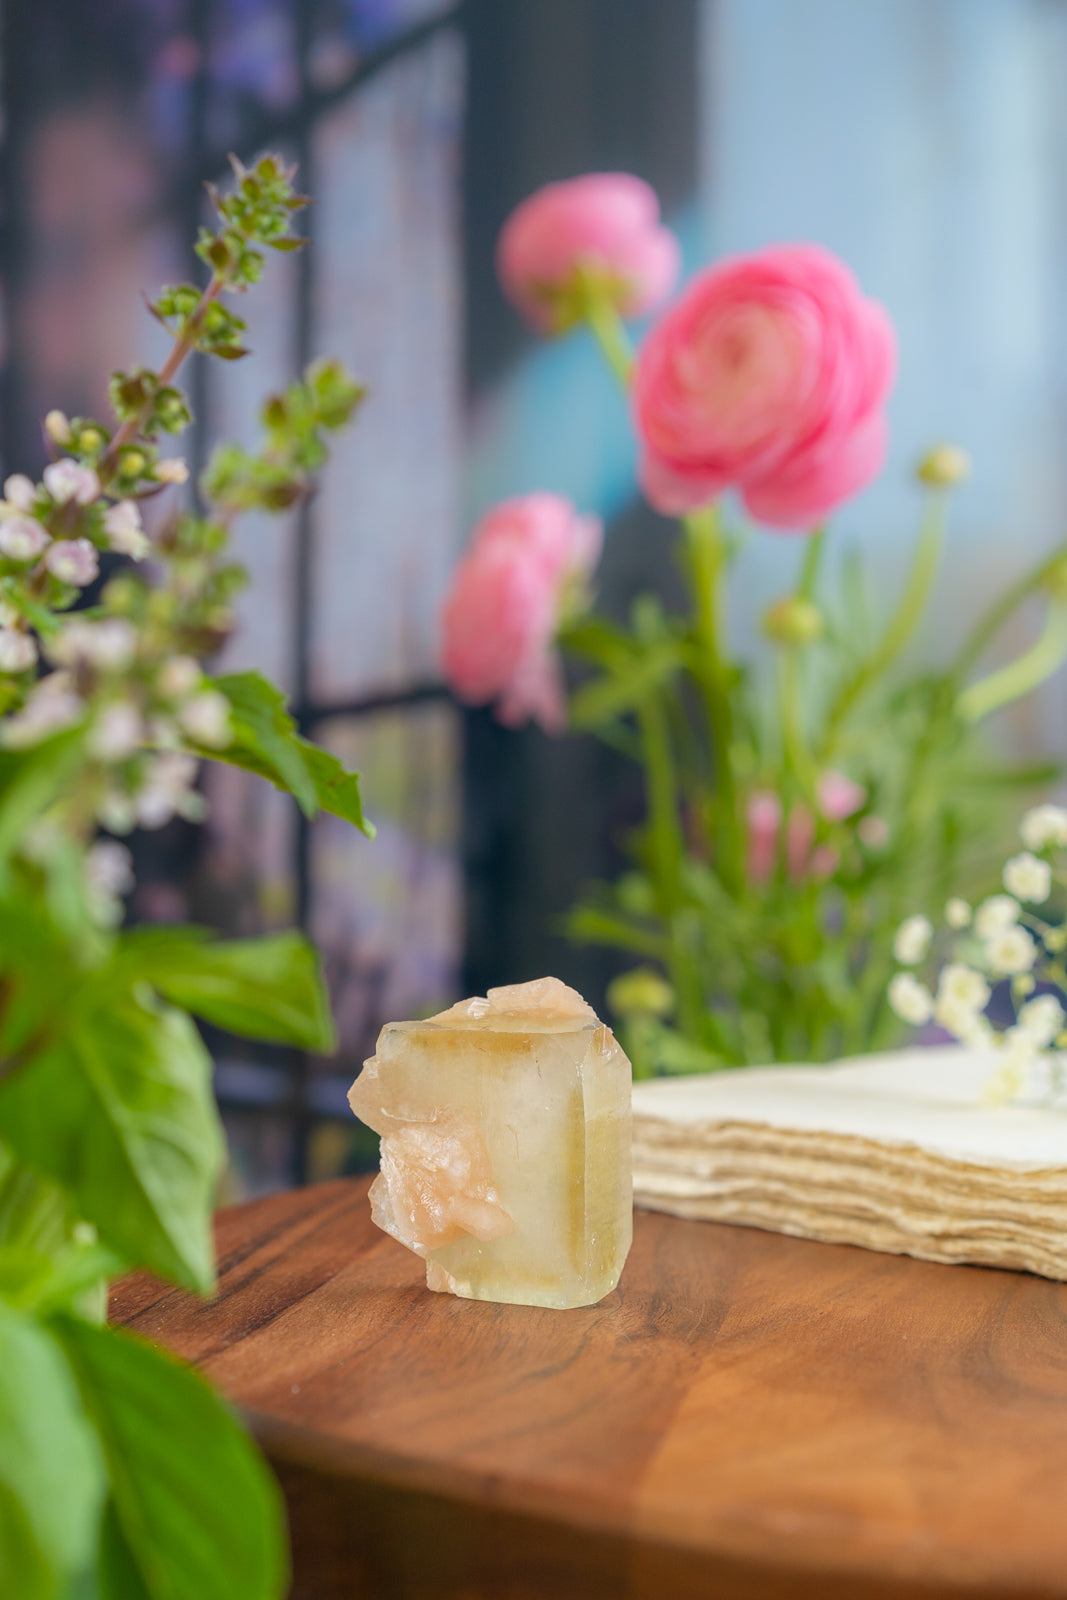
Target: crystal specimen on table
x,y
505,1128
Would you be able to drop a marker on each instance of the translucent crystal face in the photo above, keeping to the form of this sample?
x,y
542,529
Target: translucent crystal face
x,y
505,1127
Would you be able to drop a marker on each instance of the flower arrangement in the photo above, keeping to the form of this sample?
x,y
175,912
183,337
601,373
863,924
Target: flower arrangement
x,y
121,1473
792,814
1005,951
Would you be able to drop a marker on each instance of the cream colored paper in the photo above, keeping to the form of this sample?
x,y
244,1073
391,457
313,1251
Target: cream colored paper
x,y
894,1152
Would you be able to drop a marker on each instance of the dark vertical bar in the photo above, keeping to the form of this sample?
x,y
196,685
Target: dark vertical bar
x,y
199,26
305,555
18,450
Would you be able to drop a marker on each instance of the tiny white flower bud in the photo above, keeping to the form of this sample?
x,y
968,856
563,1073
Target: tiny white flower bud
x,y
206,719
1029,878
169,790
118,733
957,912
1043,825
22,538
1010,950
122,524
178,677
912,940
960,989
998,912
173,470
109,867
1041,1019
910,999
20,491
18,651
67,480
117,813
57,427
73,561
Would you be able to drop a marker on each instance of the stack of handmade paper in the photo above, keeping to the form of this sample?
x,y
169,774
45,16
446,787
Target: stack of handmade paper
x,y
896,1152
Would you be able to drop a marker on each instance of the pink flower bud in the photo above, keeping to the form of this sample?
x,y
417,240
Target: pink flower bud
x,y
20,491
799,837
22,538
768,375
504,606
67,480
72,561
838,796
606,223
764,817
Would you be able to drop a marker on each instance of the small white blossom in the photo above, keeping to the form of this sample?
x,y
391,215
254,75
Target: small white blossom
x,y
1010,950
957,912
173,470
116,812
962,985
20,491
169,791
998,912
109,868
118,732
109,645
912,940
52,704
1041,1019
178,677
69,480
18,651
910,999
22,538
57,427
1028,878
122,524
1042,825
206,719
73,561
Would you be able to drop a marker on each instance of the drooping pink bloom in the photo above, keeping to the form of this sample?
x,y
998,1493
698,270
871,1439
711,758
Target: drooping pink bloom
x,y
606,222
503,609
838,796
768,375
764,818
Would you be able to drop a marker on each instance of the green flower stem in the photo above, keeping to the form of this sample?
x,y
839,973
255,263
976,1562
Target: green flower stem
x,y
1019,676
809,571
902,623
182,347
666,857
987,628
706,549
608,330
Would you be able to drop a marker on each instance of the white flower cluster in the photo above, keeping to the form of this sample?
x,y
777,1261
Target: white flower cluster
x,y
1001,947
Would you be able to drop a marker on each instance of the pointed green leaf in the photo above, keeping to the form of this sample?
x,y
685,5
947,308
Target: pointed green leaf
x,y
51,1475
30,780
260,988
120,1110
197,1513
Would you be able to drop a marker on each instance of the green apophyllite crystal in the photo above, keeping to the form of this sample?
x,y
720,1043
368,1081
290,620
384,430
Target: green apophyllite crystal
x,y
505,1127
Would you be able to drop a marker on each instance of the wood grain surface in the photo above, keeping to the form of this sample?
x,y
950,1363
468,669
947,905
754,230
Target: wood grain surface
x,y
746,1416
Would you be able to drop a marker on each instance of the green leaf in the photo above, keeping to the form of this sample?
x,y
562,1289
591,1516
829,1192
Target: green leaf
x,y
120,1110
51,1475
260,988
29,782
266,741
33,1281
196,1512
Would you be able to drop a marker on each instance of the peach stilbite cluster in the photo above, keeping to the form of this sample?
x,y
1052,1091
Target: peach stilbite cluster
x,y
769,375
606,225
505,603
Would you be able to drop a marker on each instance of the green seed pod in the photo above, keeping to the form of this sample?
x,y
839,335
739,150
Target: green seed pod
x,y
944,466
793,621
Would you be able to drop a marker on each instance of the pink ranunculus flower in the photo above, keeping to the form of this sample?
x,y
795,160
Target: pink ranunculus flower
x,y
768,375
605,222
839,796
504,606
764,819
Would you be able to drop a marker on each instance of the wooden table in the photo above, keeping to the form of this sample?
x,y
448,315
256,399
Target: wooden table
x,y
746,1416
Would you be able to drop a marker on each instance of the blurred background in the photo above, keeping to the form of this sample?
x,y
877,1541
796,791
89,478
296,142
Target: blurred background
x,y
923,140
